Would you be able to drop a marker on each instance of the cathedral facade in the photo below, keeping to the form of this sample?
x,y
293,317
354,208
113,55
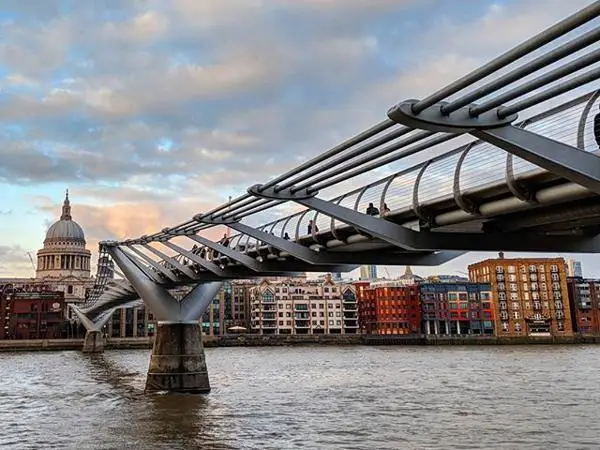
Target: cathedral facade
x,y
64,262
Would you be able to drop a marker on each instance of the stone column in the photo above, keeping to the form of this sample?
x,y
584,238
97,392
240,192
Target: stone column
x,y
177,363
123,323
135,322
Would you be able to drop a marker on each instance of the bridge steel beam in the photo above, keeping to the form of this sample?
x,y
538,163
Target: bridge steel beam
x,y
408,239
575,165
177,363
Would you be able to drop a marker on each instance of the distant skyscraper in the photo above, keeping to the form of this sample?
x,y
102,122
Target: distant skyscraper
x,y
368,272
574,268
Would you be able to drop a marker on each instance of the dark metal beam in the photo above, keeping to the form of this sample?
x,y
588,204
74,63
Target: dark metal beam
x,y
569,162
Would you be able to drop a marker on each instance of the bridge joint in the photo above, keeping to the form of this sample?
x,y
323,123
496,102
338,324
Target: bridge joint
x,y
433,118
273,193
214,220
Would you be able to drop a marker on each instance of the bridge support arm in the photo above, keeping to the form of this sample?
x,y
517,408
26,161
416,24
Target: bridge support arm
x,y
575,165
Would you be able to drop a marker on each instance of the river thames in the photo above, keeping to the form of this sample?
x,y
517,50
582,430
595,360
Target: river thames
x,y
538,397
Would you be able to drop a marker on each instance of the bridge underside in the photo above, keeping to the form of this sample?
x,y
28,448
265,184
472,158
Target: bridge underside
x,y
525,186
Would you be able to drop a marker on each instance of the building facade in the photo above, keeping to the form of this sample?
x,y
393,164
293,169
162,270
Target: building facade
x,y
584,299
36,313
368,272
297,307
574,268
457,309
530,295
390,308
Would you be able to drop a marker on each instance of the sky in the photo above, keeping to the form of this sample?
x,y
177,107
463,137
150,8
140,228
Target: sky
x,y
151,111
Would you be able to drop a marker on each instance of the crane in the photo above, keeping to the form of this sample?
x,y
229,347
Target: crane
x,y
32,263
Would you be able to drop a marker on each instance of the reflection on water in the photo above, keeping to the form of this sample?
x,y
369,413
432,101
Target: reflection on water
x,y
309,397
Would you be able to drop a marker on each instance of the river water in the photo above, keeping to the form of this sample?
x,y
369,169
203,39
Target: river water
x,y
540,397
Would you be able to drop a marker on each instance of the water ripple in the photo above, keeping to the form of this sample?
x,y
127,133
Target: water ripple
x,y
310,397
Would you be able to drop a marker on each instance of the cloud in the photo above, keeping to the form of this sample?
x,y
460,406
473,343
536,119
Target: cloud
x,y
173,106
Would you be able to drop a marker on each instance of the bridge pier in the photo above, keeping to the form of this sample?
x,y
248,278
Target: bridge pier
x,y
177,363
93,342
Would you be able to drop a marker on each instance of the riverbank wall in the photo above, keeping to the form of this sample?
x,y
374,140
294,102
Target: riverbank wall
x,y
255,340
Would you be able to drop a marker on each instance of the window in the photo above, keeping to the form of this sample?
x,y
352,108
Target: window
x,y
501,287
558,304
69,289
556,286
523,269
511,269
532,269
504,326
499,277
555,277
537,316
503,305
512,278
554,268
515,305
501,296
517,327
499,269
560,325
524,277
533,277
513,287
514,296
515,314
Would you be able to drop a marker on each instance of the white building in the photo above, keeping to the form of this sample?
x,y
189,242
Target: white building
x,y
63,264
298,307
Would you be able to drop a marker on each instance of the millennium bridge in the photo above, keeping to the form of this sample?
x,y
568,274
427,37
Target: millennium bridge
x,y
508,161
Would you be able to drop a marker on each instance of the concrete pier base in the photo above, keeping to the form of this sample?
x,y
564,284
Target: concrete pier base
x,y
93,342
177,363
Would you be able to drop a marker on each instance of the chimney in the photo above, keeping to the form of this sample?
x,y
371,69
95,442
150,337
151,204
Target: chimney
x,y
501,255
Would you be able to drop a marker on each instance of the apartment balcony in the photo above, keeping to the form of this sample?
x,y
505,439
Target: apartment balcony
x,y
269,325
302,324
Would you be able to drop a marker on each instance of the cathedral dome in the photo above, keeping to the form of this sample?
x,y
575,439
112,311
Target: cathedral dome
x,y
66,229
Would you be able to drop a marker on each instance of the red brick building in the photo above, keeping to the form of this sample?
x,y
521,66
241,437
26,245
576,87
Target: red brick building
x,y
35,314
389,309
584,299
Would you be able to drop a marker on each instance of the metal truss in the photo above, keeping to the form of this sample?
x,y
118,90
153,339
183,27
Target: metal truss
x,y
428,213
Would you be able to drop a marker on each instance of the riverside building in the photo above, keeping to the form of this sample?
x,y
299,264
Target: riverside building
x,y
389,308
530,295
298,307
457,309
584,299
